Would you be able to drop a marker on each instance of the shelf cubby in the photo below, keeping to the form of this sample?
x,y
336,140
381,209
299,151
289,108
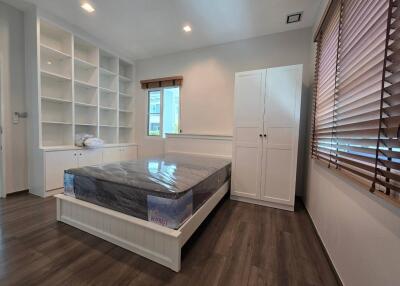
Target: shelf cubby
x,y
125,119
85,94
125,135
56,112
85,115
55,38
126,103
109,134
86,129
54,64
108,118
56,88
108,62
108,100
125,70
86,74
86,53
56,134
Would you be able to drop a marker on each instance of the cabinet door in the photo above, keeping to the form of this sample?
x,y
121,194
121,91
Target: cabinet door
x,y
247,145
89,157
55,164
281,129
129,153
111,155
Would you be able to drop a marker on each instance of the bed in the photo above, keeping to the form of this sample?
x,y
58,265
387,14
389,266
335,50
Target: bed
x,y
151,206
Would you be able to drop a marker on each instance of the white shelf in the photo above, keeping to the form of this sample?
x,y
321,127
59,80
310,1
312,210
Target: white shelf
x,y
108,108
84,64
107,90
107,72
57,54
85,84
57,122
82,88
54,75
126,79
108,126
85,104
125,95
85,124
54,99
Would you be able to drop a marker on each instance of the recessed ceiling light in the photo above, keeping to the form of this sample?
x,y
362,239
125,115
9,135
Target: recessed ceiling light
x,y
49,62
187,28
294,18
87,7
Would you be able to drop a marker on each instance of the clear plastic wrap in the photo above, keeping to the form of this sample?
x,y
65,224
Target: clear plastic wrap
x,y
165,190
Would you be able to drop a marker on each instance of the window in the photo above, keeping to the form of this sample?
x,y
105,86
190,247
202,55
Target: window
x,y
356,126
163,111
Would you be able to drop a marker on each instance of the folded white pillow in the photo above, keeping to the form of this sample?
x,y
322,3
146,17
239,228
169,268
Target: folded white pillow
x,y
80,139
93,142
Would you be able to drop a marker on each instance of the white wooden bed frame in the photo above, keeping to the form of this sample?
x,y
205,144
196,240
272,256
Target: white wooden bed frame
x,y
157,243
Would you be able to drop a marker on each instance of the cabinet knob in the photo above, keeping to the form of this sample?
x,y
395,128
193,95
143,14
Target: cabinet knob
x,y
260,135
265,135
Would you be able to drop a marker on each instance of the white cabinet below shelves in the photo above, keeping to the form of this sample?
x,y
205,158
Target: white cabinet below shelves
x,y
116,154
89,157
111,155
56,162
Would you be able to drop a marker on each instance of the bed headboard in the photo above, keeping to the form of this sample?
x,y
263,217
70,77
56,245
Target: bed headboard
x,y
207,145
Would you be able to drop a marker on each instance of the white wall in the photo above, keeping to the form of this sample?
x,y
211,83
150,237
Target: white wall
x,y
360,232
12,53
207,91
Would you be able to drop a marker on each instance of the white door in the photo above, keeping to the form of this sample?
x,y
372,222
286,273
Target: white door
x,y
281,131
56,163
111,155
247,145
90,157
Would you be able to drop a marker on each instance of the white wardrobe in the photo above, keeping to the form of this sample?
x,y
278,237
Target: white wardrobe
x,y
266,131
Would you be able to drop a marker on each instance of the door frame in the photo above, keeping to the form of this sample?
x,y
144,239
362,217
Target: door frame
x,y
3,192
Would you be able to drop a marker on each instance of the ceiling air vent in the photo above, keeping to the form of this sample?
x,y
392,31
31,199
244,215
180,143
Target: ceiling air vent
x,y
294,18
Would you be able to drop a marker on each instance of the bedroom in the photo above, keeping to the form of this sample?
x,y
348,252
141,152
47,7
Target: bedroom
x,y
187,183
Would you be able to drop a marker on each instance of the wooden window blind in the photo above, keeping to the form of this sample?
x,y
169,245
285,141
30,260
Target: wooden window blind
x,y
162,82
362,136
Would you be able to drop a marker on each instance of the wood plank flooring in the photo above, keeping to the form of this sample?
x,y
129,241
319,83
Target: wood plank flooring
x,y
239,244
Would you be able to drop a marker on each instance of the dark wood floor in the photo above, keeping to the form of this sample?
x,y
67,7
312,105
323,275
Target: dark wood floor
x,y
239,244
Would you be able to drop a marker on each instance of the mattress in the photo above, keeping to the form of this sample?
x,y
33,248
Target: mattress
x,y
166,190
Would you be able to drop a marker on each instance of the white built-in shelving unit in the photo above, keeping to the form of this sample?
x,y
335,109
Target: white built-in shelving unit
x,y
82,89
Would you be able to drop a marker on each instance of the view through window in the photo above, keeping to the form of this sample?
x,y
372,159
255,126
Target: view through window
x,y
163,111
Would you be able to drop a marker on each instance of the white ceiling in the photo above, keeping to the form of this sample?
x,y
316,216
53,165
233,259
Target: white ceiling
x,y
147,28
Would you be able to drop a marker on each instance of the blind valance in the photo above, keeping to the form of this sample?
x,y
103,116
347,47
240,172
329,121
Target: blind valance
x,y
162,82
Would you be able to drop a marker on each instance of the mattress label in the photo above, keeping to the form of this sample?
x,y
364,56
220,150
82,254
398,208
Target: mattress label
x,y
69,185
170,212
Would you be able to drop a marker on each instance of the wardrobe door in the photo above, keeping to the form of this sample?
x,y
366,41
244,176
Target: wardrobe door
x,y
247,144
281,127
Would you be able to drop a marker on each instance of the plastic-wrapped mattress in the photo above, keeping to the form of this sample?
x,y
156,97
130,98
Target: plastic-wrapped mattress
x,y
165,190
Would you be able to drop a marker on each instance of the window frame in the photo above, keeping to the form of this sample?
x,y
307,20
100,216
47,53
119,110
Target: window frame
x,y
161,90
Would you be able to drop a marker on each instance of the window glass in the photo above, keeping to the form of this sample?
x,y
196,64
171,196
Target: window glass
x,y
171,110
163,111
154,115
